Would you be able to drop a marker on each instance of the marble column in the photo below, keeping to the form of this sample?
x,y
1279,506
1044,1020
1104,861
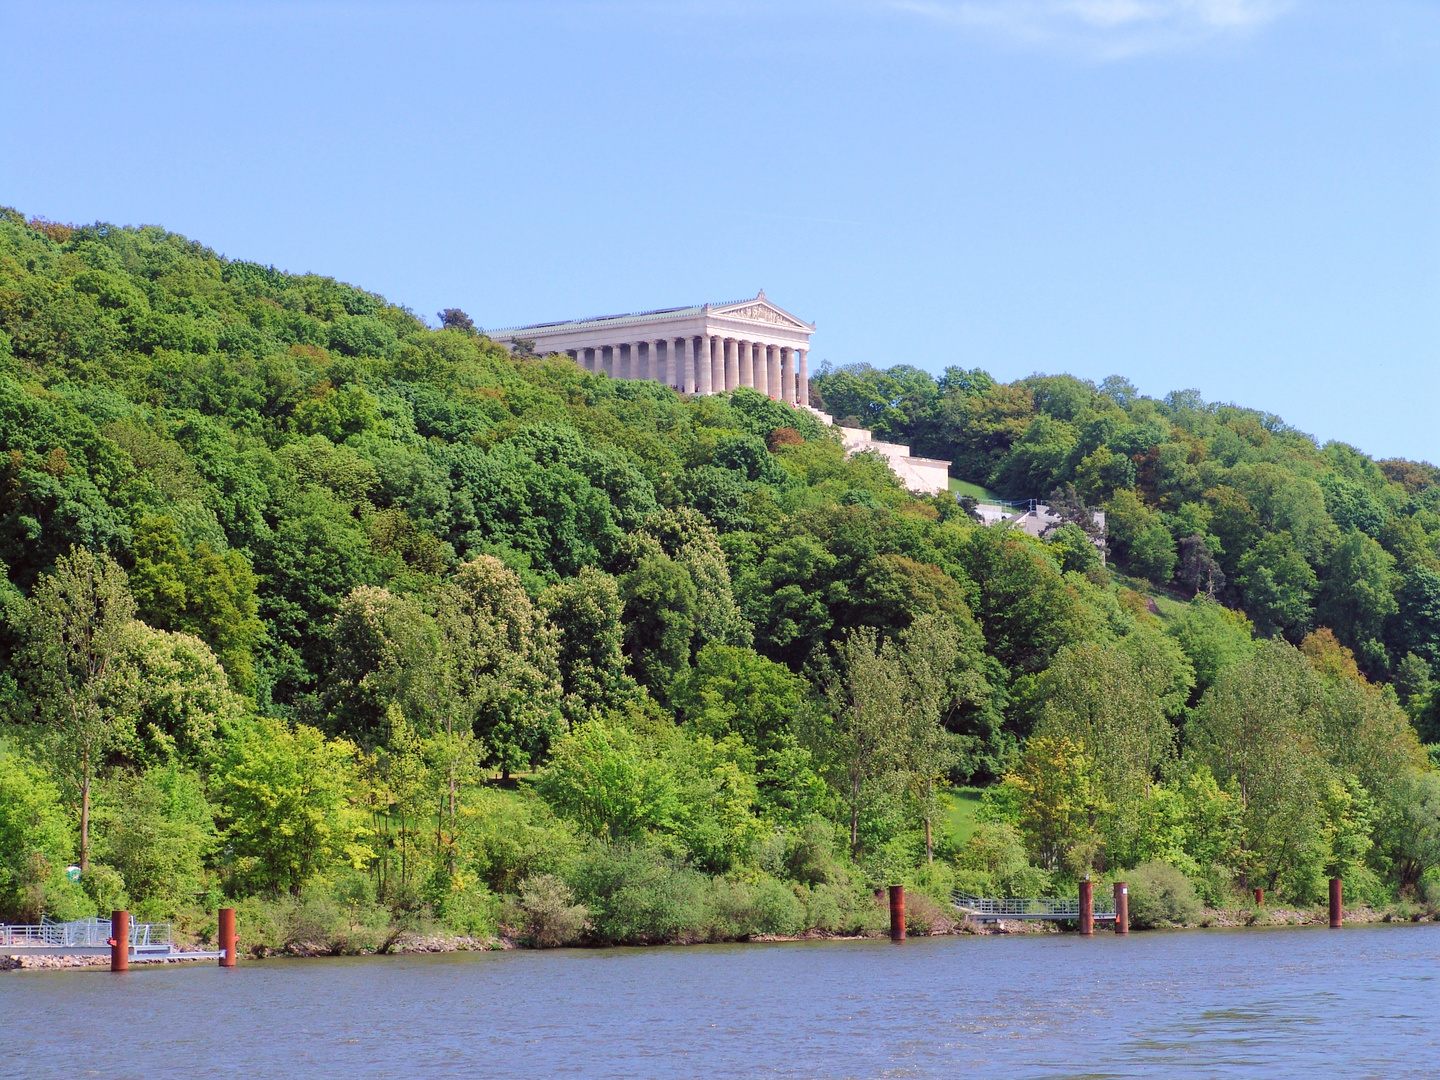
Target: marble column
x,y
774,365
747,363
762,369
803,384
717,365
732,363
660,361
687,365
787,377
704,369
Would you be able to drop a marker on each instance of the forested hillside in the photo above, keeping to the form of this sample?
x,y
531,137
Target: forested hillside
x,y
365,625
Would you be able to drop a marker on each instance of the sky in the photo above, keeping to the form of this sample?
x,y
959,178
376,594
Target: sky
x,y
1237,196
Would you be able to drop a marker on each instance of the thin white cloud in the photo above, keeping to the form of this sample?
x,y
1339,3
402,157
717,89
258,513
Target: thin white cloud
x,y
1104,29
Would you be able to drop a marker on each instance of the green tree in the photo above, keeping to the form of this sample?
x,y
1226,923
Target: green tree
x,y
284,803
158,833
1213,637
506,672
79,619
36,844
586,611
1358,595
660,606
183,700
1279,587
1103,700
601,777
1259,728
865,744
199,591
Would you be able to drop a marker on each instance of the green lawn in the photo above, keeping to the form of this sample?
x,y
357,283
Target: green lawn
x,y
975,491
960,806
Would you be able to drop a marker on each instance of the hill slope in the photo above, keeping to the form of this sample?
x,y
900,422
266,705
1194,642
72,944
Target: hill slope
x,y
260,527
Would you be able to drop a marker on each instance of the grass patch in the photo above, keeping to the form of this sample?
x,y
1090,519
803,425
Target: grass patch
x,y
975,491
960,806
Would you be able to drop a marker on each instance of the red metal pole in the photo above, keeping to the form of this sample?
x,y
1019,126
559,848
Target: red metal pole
x,y
227,937
1122,908
1337,906
897,912
120,941
1087,907
1259,897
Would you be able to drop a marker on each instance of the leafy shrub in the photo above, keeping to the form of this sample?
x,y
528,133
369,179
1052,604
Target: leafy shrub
x,y
637,895
1161,895
1214,885
995,863
106,887
465,906
741,909
313,925
1429,887
546,912
935,880
924,915
36,843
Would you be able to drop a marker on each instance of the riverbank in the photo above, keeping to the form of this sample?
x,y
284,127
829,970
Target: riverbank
x,y
421,943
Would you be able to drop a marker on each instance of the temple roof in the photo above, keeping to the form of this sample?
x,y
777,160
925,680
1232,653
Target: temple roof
x,y
640,317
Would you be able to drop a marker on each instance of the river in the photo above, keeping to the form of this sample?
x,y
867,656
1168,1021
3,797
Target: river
x,y
1360,1002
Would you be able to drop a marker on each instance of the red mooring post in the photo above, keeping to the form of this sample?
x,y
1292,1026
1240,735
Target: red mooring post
x,y
227,937
897,912
1337,905
1259,897
1087,907
1122,908
120,941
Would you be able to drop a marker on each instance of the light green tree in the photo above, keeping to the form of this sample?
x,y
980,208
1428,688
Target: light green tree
x,y
1259,729
79,618
284,796
1111,706
864,745
36,843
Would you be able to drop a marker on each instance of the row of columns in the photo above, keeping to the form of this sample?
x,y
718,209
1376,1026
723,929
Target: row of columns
x,y
706,365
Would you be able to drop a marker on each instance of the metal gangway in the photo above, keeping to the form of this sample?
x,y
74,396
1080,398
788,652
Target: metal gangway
x,y
1058,909
83,937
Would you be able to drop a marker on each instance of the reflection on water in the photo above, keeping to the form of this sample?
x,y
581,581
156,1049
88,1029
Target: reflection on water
x,y
1253,1003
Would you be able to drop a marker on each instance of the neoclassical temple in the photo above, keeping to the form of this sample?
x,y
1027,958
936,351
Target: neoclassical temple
x,y
706,349
712,348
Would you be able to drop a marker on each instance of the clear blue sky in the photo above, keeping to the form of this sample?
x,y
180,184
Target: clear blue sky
x,y
1241,196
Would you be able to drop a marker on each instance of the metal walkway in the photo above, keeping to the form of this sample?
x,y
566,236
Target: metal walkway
x,y
988,909
90,937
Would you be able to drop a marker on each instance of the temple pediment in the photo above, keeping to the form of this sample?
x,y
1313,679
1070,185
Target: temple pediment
x,y
761,310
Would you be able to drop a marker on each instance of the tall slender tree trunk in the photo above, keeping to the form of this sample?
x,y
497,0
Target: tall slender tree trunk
x,y
85,818
929,845
855,814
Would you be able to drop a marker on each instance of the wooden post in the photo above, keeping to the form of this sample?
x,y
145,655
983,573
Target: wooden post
x,y
120,941
1087,907
1337,906
1259,897
227,937
1122,908
897,912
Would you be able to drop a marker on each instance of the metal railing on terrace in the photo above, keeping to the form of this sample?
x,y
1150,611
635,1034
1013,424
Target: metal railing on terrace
x,y
90,932
1042,907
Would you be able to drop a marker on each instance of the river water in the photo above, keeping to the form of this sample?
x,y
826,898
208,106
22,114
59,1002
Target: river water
x,y
1359,1002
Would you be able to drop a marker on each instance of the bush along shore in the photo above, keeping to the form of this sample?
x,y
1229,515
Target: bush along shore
x,y
383,634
